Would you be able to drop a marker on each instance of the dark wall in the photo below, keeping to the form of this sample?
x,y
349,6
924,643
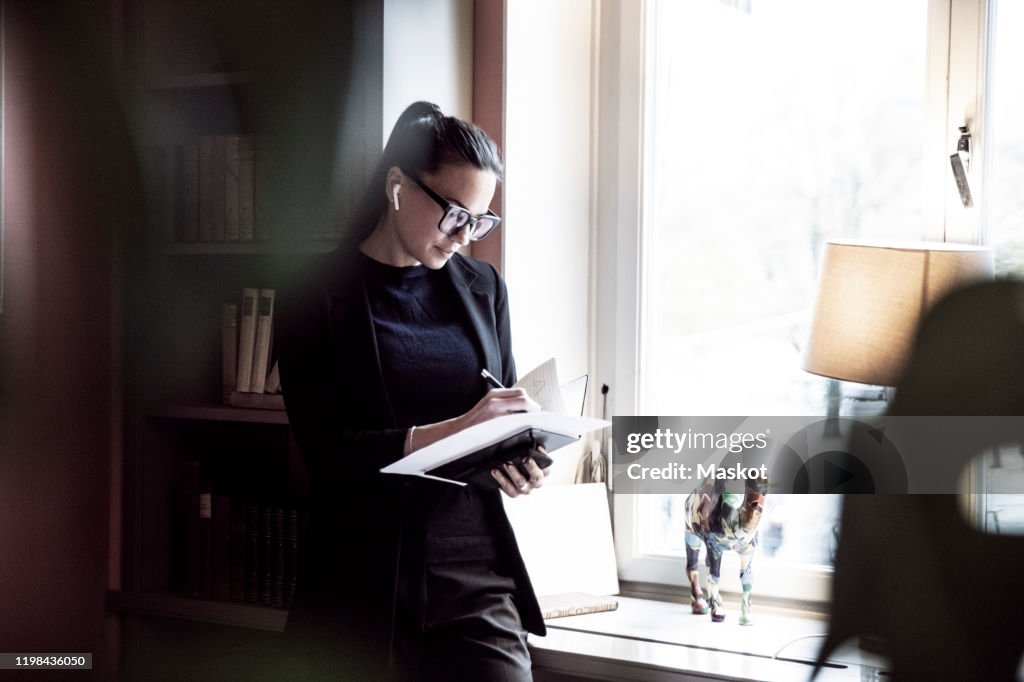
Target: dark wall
x,y
68,189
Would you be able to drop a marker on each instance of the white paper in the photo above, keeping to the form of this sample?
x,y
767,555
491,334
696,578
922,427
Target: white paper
x,y
541,384
564,533
487,433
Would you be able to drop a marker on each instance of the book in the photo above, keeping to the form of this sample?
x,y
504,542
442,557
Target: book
x,y
252,553
190,510
218,151
291,555
261,349
246,339
237,554
265,565
205,540
246,155
206,187
232,157
188,192
492,439
229,350
277,556
574,604
476,467
221,547
273,380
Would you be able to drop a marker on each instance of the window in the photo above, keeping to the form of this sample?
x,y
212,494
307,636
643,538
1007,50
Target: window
x,y
1002,512
766,128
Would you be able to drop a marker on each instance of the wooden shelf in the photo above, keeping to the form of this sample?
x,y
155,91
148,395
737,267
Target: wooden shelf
x,y
237,614
216,413
244,248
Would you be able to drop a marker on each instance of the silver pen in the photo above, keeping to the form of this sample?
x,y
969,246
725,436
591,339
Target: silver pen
x,y
491,379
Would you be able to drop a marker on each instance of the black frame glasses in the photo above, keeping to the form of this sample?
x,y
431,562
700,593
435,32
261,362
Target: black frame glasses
x,y
456,218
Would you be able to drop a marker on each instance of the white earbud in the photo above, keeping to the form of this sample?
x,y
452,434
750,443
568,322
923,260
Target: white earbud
x,y
395,195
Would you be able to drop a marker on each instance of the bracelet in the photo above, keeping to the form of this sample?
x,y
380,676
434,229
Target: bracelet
x,y
408,440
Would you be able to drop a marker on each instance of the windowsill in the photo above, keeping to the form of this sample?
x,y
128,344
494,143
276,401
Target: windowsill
x,y
647,640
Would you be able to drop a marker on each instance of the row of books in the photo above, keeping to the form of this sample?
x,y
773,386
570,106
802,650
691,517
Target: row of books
x,y
249,378
203,190
214,183
237,550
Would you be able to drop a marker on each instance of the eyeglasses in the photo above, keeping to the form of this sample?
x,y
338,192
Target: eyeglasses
x,y
455,218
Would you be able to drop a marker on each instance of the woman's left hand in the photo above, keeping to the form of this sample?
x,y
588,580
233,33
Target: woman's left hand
x,y
512,481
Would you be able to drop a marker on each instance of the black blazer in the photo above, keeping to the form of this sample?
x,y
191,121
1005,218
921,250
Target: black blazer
x,y
343,422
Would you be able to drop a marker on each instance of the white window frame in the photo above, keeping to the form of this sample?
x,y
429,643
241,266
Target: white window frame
x,y
957,37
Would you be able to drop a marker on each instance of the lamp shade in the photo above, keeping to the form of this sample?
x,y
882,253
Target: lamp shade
x,y
871,297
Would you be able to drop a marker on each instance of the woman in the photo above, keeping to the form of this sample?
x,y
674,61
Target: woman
x,y
411,579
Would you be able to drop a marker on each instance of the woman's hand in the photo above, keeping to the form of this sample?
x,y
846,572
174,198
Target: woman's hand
x,y
498,402
512,480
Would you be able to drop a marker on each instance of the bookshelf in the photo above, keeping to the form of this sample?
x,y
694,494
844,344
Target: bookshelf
x,y
206,611
214,412
306,83
212,72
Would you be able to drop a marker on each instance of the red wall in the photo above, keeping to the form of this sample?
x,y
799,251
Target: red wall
x,y
66,188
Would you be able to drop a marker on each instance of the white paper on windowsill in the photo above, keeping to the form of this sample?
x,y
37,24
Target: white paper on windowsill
x,y
487,433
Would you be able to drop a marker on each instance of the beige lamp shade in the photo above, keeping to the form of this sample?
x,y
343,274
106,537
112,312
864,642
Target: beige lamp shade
x,y
871,297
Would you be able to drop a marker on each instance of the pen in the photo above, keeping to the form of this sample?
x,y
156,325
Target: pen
x,y
491,379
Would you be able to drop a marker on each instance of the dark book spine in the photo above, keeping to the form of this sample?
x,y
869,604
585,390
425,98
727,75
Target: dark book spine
x,y
206,540
221,547
237,559
291,553
266,544
277,558
252,553
190,509
206,186
217,187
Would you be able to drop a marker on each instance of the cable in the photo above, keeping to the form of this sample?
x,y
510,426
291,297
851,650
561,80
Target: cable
x,y
793,641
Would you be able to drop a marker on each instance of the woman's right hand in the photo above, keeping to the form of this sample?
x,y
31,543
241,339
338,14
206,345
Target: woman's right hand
x,y
498,402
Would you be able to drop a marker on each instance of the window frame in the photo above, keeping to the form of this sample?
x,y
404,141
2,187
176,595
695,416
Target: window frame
x,y
956,44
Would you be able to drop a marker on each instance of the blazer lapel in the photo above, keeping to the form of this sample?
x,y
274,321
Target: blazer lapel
x,y
350,310
479,307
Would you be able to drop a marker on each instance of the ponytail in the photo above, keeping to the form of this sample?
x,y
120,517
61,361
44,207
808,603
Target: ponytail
x,y
422,140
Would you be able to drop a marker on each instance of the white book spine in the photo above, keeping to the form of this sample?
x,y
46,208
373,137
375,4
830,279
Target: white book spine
x,y
247,338
261,353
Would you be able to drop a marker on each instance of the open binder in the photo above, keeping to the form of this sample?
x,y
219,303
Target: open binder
x,y
469,455
476,467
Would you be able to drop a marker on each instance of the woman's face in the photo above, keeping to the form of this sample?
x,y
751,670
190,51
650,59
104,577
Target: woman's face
x,y
416,237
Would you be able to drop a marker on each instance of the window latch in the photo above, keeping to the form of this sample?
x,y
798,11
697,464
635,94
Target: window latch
x,y
963,148
961,163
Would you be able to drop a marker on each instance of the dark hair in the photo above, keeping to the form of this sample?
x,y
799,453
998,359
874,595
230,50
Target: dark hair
x,y
423,140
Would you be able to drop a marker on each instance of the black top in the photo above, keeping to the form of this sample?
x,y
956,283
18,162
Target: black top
x,y
431,369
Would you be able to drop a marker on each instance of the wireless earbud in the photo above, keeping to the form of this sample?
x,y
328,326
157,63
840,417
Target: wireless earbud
x,y
395,195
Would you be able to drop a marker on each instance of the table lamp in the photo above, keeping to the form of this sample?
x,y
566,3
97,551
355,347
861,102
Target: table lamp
x,y
871,297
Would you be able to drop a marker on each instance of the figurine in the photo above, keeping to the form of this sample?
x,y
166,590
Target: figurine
x,y
722,521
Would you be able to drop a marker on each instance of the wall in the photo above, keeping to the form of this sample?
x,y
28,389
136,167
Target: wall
x,y
548,178
64,157
428,55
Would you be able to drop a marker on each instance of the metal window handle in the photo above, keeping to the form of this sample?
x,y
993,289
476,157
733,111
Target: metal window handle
x,y
963,148
961,163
